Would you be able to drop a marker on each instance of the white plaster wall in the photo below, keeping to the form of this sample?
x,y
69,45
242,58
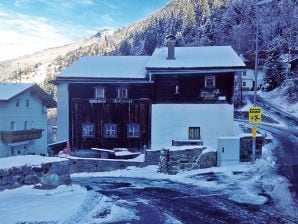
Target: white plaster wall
x,y
171,122
36,115
62,112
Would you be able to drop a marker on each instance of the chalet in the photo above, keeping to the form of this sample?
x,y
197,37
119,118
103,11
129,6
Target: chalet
x,y
135,102
23,119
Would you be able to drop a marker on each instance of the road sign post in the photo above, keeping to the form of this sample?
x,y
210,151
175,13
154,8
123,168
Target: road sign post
x,y
254,117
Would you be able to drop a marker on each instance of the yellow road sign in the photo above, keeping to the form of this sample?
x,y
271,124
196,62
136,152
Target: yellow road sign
x,y
255,114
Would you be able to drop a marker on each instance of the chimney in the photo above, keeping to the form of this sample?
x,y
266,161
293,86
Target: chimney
x,y
171,42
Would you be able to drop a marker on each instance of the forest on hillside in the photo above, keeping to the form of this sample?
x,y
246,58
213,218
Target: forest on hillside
x,y
207,23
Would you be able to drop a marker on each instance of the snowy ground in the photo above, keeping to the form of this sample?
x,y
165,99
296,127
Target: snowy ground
x,y
245,183
277,98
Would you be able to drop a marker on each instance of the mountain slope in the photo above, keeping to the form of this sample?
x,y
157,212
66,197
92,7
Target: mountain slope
x,y
194,22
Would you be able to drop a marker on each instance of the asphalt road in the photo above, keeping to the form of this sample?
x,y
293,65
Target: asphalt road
x,y
170,202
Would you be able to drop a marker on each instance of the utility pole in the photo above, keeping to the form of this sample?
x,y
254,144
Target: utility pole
x,y
256,74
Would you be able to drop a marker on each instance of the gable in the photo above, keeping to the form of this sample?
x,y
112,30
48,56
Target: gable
x,y
8,91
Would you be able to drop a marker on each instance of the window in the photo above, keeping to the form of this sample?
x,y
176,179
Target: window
x,y
122,92
17,102
26,125
210,82
99,92
13,126
88,130
244,84
110,130
27,103
133,130
194,133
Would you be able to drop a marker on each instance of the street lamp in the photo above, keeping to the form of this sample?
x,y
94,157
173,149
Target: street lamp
x,y
256,74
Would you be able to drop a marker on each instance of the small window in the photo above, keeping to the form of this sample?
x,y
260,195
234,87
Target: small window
x,y
13,126
210,82
17,102
99,92
133,130
26,125
194,133
244,84
110,130
27,103
88,130
122,92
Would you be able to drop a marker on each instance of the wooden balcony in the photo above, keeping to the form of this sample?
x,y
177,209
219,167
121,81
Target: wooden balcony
x,y
19,136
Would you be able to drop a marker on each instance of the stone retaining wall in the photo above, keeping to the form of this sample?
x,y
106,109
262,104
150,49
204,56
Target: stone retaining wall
x,y
95,165
172,162
48,175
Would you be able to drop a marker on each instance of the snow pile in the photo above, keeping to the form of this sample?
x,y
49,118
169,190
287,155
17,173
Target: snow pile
x,y
29,160
97,208
279,99
26,204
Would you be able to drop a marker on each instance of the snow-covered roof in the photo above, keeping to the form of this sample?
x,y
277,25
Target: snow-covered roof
x,y
196,57
10,90
107,67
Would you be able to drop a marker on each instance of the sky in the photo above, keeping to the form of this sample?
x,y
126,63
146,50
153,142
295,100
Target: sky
x,y
27,26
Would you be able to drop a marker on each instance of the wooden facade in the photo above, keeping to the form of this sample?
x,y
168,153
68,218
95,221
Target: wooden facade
x,y
99,112
185,88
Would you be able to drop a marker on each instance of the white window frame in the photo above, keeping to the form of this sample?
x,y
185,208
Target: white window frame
x,y
88,130
212,79
133,130
122,93
99,92
110,130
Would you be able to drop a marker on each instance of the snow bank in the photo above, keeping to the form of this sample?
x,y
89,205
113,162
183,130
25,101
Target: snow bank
x,y
29,160
26,204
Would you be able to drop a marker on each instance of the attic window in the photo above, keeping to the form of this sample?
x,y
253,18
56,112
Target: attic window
x,y
122,93
210,82
99,92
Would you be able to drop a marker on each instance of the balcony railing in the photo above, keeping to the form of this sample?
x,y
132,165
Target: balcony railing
x,y
19,136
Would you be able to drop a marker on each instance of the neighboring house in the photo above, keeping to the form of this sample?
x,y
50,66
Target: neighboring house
x,y
178,93
23,119
248,79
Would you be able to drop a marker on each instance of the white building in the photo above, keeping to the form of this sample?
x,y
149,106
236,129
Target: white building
x,y
23,119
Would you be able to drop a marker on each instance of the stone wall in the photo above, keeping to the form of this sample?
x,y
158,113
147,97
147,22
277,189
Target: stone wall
x,y
246,148
95,165
173,161
48,175
152,157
